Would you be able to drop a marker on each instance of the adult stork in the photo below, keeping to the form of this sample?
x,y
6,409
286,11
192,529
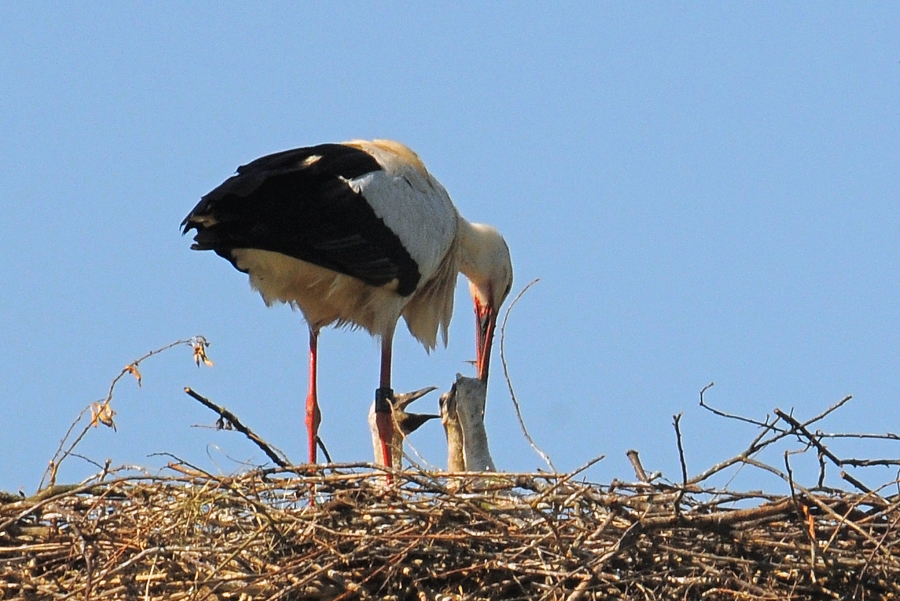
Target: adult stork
x,y
356,234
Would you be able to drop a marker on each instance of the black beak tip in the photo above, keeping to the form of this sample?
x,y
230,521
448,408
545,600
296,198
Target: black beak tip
x,y
413,421
403,400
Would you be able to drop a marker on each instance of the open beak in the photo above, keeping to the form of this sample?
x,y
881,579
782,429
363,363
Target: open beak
x,y
485,321
410,422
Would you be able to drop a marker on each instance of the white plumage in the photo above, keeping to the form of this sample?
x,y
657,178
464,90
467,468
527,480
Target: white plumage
x,y
355,234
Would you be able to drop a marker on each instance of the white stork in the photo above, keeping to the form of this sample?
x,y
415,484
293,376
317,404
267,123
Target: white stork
x,y
356,234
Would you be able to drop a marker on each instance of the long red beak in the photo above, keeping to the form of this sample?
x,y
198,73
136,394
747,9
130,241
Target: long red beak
x,y
485,320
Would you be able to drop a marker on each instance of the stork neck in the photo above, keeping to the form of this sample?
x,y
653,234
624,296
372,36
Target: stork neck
x,y
471,242
484,260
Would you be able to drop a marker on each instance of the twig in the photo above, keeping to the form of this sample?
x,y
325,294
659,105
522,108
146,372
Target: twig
x,y
722,518
829,410
848,478
755,446
801,428
199,345
684,471
628,539
727,415
803,512
635,460
869,462
760,442
512,393
564,479
240,427
580,589
860,435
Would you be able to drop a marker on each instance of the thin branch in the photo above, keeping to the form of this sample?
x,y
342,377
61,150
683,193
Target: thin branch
x,y
635,460
684,471
240,427
761,442
801,428
870,462
829,410
755,446
860,435
721,413
101,409
566,478
512,393
848,478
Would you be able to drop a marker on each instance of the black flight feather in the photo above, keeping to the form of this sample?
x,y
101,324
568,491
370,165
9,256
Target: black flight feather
x,y
298,203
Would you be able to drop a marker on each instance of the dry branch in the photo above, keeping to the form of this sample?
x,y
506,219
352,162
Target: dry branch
x,y
512,392
234,422
257,534
101,411
336,532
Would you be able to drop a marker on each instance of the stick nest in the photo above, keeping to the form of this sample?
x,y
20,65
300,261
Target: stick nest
x,y
338,532
343,532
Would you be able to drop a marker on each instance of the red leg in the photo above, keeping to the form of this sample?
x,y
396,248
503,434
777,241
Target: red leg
x,y
313,416
384,422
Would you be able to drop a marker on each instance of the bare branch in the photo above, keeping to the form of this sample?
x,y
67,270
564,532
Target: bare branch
x,y
726,415
797,427
684,471
635,460
101,410
512,393
232,419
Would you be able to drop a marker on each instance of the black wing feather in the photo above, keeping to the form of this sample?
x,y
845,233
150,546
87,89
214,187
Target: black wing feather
x,y
301,206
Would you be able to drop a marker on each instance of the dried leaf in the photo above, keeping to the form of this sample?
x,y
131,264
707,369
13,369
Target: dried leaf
x,y
810,521
199,345
102,413
133,370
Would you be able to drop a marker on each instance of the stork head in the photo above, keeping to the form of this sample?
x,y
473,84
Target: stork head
x,y
485,261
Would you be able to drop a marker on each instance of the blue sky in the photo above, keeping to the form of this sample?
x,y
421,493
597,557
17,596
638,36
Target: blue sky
x,y
707,192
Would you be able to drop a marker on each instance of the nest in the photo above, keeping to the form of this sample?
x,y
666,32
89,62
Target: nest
x,y
361,532
342,532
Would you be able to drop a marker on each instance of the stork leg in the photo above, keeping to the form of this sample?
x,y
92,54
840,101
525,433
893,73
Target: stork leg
x,y
384,396
313,415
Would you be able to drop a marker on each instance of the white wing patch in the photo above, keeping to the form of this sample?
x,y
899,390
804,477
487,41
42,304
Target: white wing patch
x,y
417,209
410,201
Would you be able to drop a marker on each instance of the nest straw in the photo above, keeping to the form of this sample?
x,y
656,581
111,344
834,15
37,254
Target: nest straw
x,y
338,533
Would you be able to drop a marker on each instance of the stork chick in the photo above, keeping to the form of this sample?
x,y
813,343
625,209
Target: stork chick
x,y
404,425
462,413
